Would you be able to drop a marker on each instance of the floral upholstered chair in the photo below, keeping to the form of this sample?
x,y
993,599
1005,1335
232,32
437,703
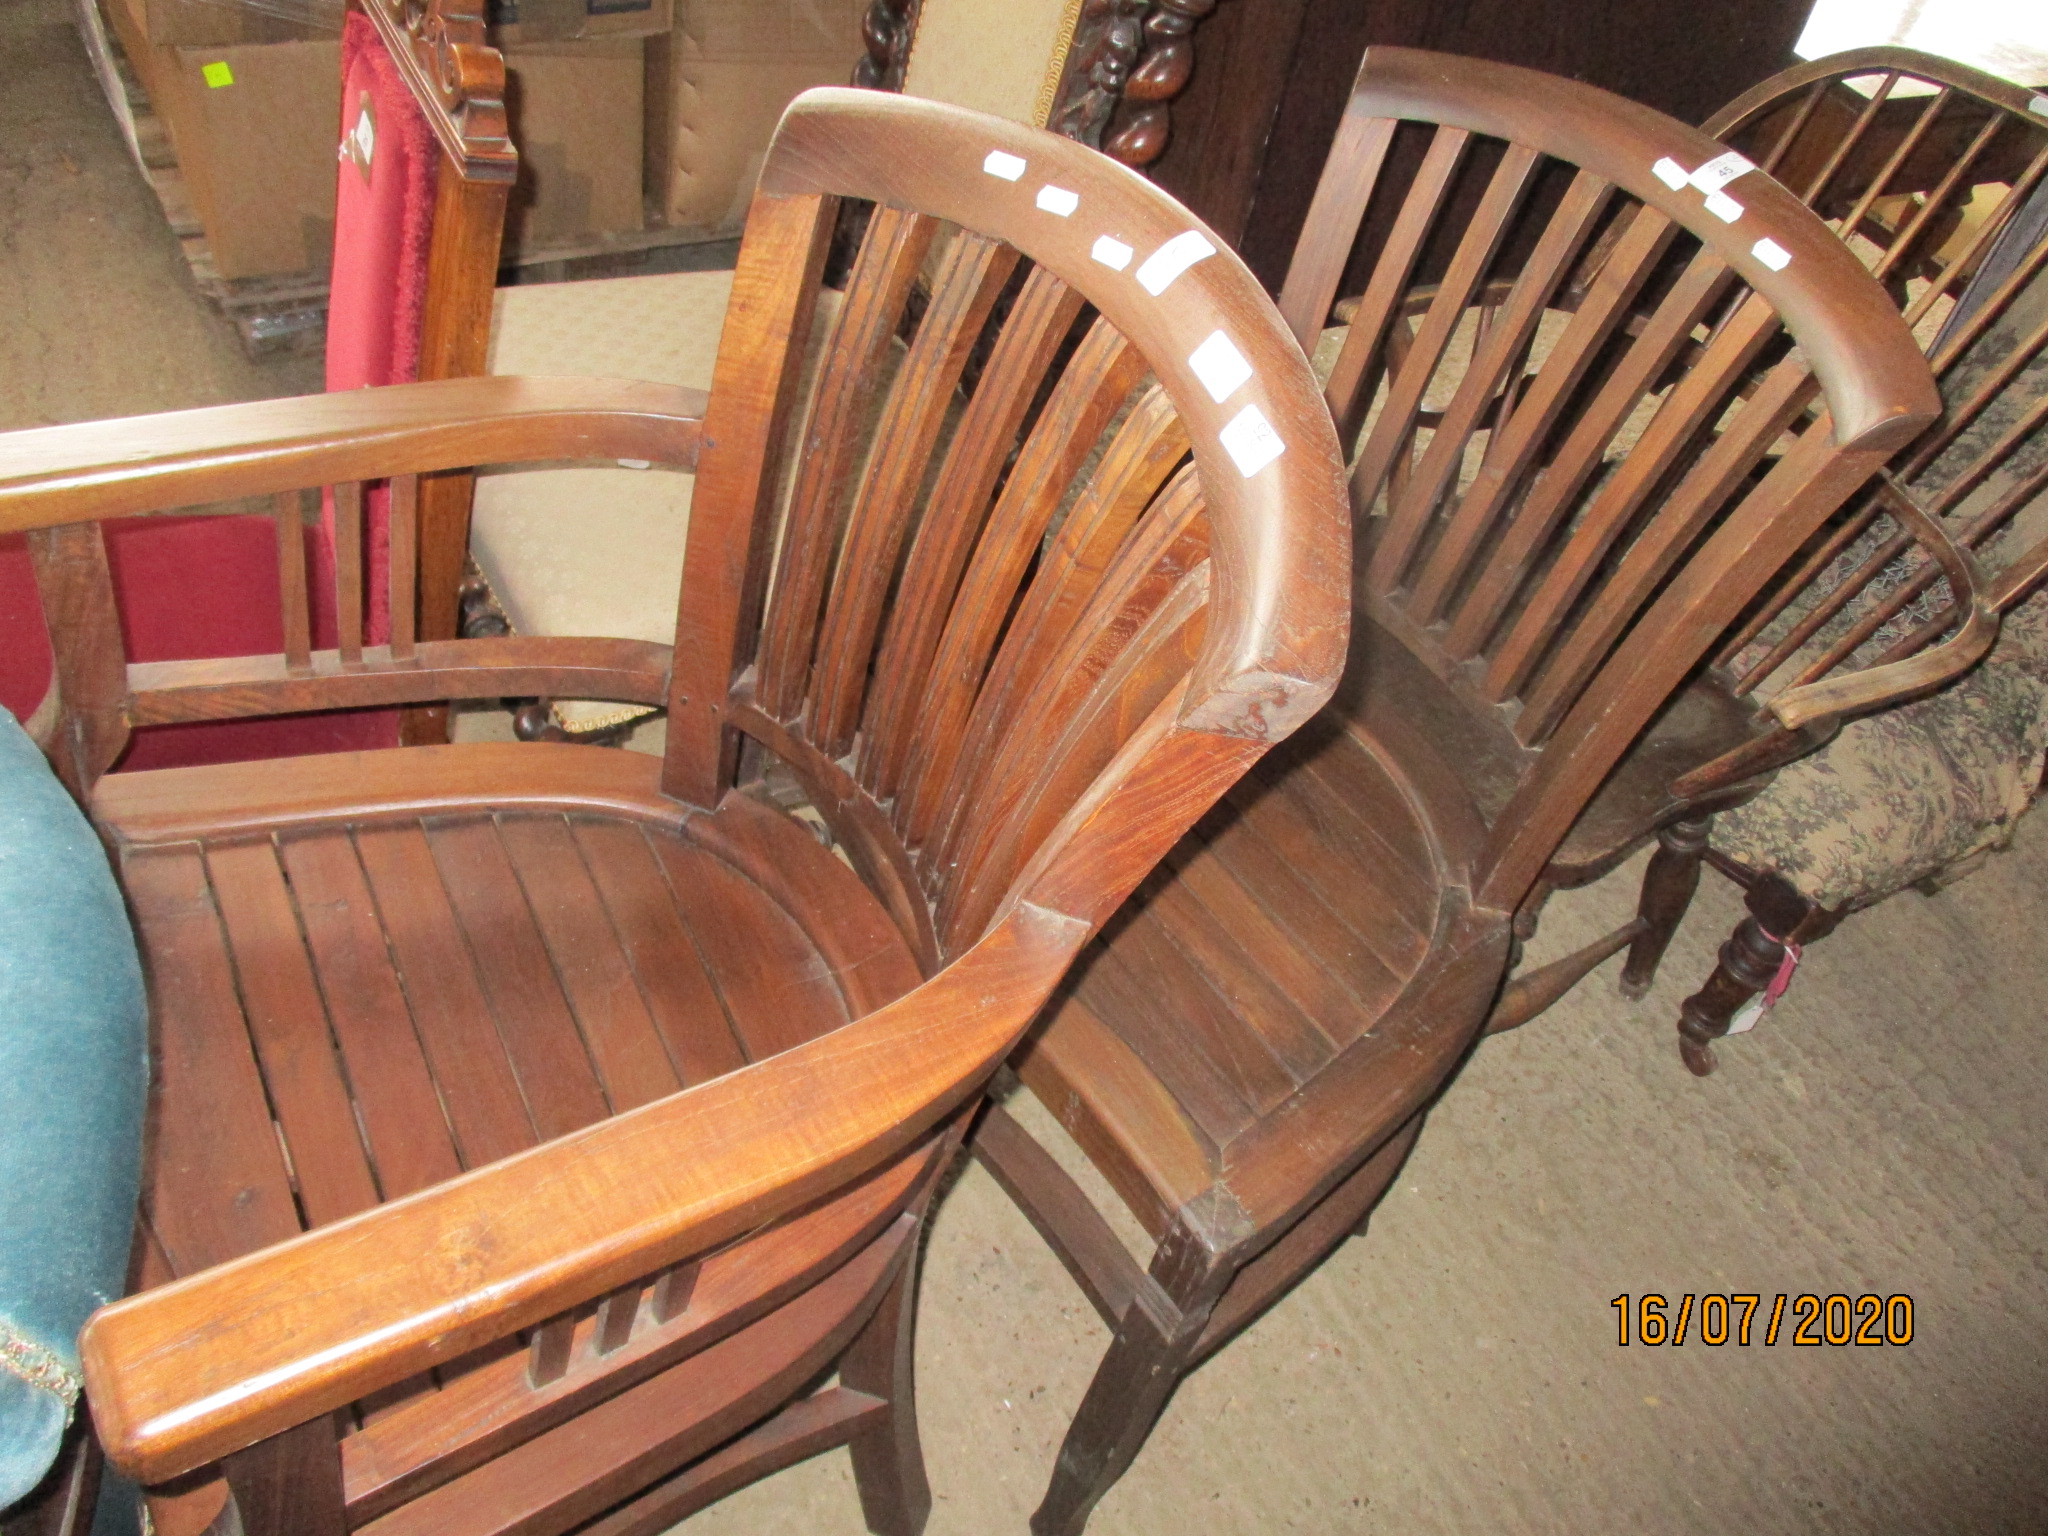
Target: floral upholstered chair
x,y
1918,795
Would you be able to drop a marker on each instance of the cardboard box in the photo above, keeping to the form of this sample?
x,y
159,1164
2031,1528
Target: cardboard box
x,y
255,128
226,23
514,22
716,87
575,111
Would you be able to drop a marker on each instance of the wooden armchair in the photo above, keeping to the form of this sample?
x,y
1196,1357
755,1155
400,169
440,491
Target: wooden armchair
x,y
1936,175
533,1125
1608,475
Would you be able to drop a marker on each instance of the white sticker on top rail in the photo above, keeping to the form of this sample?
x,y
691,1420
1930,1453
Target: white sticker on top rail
x,y
1723,207
1172,259
1004,164
1719,171
1771,254
1058,200
1112,253
1671,173
2038,106
1220,366
1250,441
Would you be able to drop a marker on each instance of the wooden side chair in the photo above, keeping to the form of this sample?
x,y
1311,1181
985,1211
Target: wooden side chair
x,y
534,1126
1936,175
1566,493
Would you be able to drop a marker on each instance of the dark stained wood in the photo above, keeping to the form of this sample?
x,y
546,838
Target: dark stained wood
x,y
1579,413
661,1085
551,1057
1828,624
478,1087
394,1092
288,1022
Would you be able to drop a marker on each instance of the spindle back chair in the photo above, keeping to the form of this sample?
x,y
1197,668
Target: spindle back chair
x,y
1936,176
532,1121
1589,419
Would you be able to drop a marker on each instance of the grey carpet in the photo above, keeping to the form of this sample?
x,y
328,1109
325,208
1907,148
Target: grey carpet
x,y
1885,1131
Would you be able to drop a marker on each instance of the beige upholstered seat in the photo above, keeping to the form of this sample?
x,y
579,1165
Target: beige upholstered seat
x,y
619,574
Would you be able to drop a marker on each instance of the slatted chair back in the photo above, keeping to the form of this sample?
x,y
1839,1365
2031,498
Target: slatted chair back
x,y
1015,626
1602,382
975,590
1936,176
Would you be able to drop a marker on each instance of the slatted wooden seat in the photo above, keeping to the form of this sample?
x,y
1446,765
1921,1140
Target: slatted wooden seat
x,y
1608,420
537,1126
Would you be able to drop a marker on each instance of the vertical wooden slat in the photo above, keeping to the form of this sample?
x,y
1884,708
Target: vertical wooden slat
x,y
1790,135
1671,433
672,1290
1908,142
288,1021
1757,537
964,291
90,664
1966,260
405,511
615,1315
1516,449
1101,374
768,321
1099,649
1349,175
889,261
1394,430
1680,517
547,1352
1850,140
1044,312
291,581
1346,391
462,274
1936,201
1489,376
1553,496
1146,448
348,569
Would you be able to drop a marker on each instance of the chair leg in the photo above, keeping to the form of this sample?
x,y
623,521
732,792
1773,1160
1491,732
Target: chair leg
x,y
888,1461
1668,887
1153,1349
1747,963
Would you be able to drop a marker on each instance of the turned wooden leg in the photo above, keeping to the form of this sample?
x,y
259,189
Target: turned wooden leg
x,y
1527,916
1668,887
1748,962
888,1461
1153,1349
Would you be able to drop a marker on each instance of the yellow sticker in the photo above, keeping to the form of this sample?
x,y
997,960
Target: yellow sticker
x,y
217,74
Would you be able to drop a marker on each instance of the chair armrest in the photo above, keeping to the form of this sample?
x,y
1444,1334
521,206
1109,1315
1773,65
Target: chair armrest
x,y
194,1370
1856,693
1809,715
52,475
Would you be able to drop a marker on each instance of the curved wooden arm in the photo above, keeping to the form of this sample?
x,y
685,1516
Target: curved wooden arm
x,y
98,469
189,1372
1855,693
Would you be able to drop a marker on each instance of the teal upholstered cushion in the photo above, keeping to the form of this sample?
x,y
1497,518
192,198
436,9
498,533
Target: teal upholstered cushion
x,y
73,1072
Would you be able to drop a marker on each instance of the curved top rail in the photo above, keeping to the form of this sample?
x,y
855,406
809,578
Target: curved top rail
x,y
1876,382
1263,442
1875,61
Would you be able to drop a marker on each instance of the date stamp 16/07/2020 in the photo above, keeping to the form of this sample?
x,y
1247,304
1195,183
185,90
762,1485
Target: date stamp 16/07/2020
x,y
1754,1318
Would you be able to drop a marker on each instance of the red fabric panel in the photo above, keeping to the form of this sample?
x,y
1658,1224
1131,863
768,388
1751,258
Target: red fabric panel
x,y
383,225
191,587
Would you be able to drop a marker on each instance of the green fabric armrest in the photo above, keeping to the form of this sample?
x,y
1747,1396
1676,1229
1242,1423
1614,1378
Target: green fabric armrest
x,y
73,1073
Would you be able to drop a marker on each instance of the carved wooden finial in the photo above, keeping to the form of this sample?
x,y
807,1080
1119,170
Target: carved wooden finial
x,y
455,75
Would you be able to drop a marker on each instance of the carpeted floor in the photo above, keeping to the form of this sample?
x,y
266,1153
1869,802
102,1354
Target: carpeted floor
x,y
1886,1131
